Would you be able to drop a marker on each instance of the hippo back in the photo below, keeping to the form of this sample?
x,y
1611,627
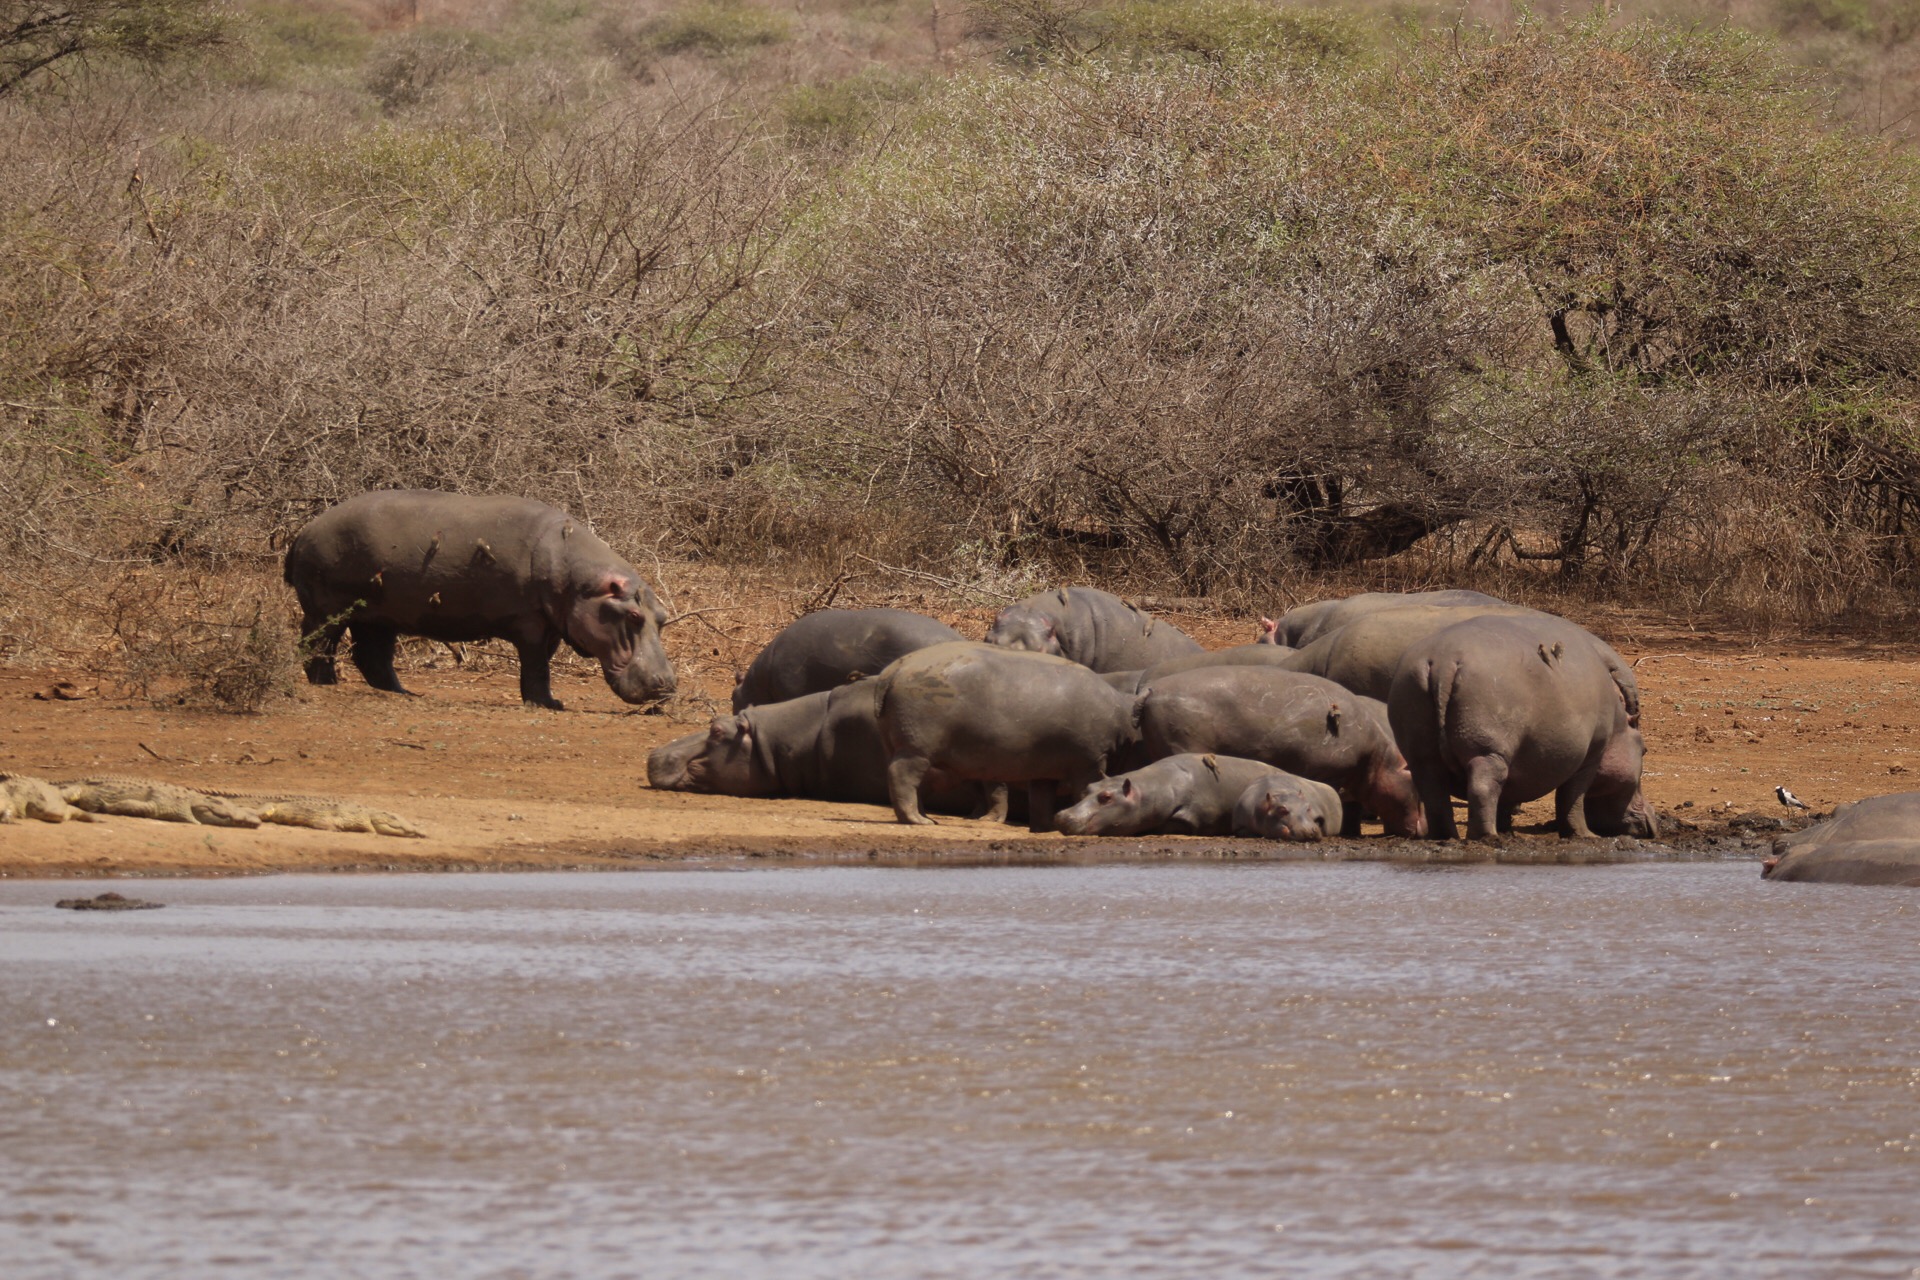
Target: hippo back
x,y
1091,627
1301,626
1875,841
830,647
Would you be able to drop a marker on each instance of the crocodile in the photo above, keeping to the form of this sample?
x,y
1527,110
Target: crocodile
x,y
24,797
146,798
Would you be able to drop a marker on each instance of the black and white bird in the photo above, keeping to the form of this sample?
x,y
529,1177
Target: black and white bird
x,y
1789,799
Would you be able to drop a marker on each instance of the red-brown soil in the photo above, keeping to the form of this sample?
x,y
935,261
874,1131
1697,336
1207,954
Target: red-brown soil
x,y
496,786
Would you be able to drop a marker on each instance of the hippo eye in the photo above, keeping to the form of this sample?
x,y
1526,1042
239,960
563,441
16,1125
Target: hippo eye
x,y
1106,797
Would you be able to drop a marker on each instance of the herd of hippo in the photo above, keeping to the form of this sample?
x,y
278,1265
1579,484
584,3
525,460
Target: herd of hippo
x,y
1112,721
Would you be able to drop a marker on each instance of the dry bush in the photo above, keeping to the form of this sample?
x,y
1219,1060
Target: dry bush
x,y
192,639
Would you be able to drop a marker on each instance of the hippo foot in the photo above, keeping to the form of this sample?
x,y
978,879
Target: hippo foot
x,y
543,704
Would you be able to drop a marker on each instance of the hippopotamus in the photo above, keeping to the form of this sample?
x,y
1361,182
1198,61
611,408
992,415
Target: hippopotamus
x,y
1300,627
1873,841
1283,806
455,567
1090,627
1294,721
1240,655
1184,795
994,715
1363,654
830,648
1503,710
822,746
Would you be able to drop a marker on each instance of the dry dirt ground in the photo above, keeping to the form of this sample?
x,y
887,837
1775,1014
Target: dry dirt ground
x,y
499,787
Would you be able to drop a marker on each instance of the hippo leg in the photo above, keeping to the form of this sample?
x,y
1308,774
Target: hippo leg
x,y
319,639
1505,817
993,803
1486,778
1349,815
904,774
536,672
1570,805
373,647
1437,800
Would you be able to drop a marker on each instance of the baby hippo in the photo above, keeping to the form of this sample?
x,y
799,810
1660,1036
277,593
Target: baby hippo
x,y
1284,807
1183,795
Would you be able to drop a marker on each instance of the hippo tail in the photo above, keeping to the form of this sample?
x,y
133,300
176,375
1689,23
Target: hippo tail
x,y
1439,683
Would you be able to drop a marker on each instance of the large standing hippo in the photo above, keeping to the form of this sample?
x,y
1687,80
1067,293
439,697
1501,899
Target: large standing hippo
x,y
1300,627
1183,795
1502,710
456,568
1297,722
1090,627
1872,841
1286,807
1239,655
831,647
1364,654
993,715
823,746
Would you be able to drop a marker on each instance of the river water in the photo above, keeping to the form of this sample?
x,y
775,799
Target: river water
x,y
1172,1070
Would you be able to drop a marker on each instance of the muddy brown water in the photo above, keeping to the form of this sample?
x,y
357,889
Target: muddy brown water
x,y
1350,1070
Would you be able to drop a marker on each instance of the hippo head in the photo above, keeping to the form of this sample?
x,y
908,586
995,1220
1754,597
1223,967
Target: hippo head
x,y
1281,813
721,761
1615,804
1392,795
1019,627
1108,804
616,618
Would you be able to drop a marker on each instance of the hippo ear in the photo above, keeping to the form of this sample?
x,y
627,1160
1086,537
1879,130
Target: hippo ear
x,y
744,727
1126,787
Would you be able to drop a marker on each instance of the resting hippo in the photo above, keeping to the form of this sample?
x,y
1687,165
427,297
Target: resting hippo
x,y
995,716
831,647
1183,795
1302,626
1503,710
1285,807
824,746
452,567
1297,722
1240,655
1872,841
1089,627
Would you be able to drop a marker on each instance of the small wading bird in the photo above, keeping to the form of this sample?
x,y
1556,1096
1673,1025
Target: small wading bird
x,y
1789,799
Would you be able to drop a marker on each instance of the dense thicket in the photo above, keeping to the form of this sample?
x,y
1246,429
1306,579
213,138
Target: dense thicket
x,y
1193,295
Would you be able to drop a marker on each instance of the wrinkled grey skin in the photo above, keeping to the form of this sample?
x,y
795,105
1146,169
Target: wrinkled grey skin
x,y
823,746
1286,807
459,568
1875,841
1183,795
994,715
1297,722
1503,710
1364,654
831,647
1090,627
1302,626
1240,655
